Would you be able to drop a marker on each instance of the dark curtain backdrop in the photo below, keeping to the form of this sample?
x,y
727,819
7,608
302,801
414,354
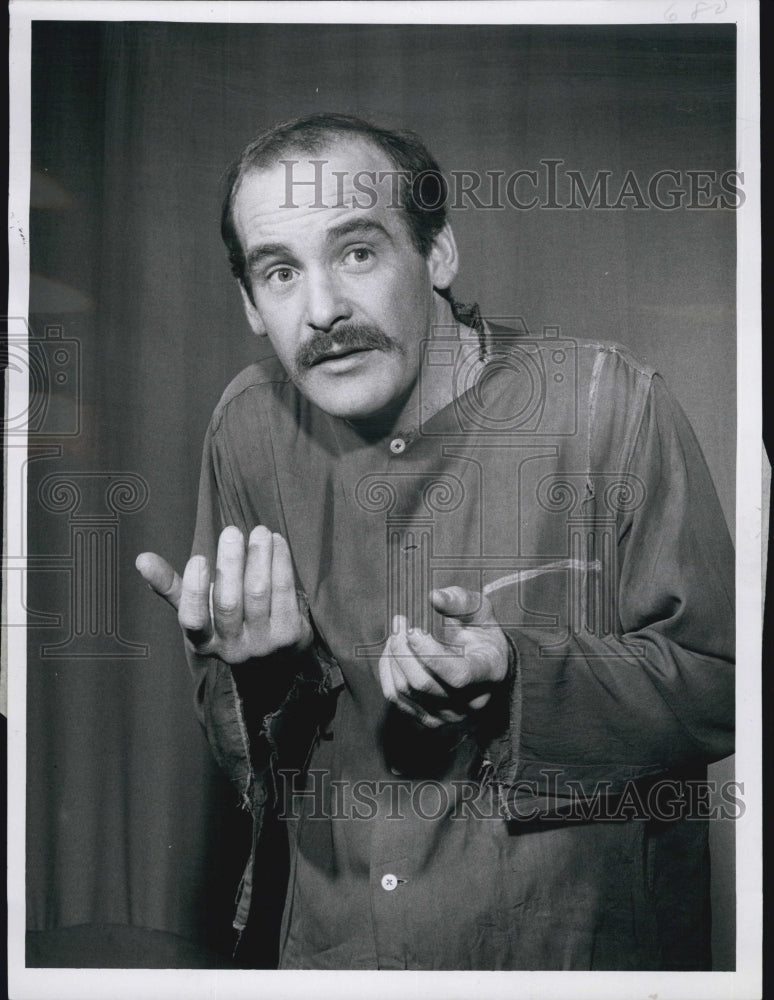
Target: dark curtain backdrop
x,y
133,836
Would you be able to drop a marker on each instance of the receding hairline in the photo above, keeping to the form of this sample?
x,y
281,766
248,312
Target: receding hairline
x,y
308,149
405,158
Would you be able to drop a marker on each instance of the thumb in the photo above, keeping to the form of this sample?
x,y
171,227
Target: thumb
x,y
160,576
469,606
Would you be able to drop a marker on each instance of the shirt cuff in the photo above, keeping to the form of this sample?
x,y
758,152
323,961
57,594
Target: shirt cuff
x,y
520,779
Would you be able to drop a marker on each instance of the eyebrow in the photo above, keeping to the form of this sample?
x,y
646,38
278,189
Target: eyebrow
x,y
266,251
353,227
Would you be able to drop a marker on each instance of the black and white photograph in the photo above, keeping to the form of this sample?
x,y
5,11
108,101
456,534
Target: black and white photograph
x,y
382,570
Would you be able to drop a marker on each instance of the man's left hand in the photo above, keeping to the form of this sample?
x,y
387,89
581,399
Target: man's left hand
x,y
437,682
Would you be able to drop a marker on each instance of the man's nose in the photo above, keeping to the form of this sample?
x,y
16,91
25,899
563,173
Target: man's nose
x,y
326,304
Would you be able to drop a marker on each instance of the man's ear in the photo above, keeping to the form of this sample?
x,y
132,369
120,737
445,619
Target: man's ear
x,y
256,324
442,261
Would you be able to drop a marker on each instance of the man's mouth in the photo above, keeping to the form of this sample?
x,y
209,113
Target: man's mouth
x,y
336,353
343,349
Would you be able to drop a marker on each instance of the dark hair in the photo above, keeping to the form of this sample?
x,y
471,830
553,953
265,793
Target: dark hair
x,y
423,189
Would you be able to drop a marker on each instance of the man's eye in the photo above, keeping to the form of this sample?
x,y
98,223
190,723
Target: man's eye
x,y
359,255
281,276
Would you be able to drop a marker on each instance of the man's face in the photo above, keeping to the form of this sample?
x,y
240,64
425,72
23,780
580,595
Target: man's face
x,y
339,288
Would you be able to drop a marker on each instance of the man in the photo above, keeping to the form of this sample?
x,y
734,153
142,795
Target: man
x,y
469,631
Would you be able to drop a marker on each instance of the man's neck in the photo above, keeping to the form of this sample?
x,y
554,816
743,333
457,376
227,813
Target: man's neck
x,y
436,385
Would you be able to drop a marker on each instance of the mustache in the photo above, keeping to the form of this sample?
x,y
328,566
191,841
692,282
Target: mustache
x,y
351,336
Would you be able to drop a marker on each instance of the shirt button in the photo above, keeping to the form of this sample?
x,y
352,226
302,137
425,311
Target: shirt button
x,y
397,445
389,882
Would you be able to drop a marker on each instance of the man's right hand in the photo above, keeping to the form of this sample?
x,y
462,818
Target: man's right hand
x,y
253,609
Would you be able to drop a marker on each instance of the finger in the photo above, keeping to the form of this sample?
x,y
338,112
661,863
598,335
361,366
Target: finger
x,y
194,610
388,676
465,671
385,675
160,576
284,602
418,674
227,604
398,651
457,673
447,664
467,606
407,704
431,720
257,580
462,608
400,672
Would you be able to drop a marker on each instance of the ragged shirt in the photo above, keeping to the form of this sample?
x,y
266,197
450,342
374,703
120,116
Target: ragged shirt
x,y
566,484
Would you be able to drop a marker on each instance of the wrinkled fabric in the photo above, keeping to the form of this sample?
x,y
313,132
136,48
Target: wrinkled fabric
x,y
566,484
